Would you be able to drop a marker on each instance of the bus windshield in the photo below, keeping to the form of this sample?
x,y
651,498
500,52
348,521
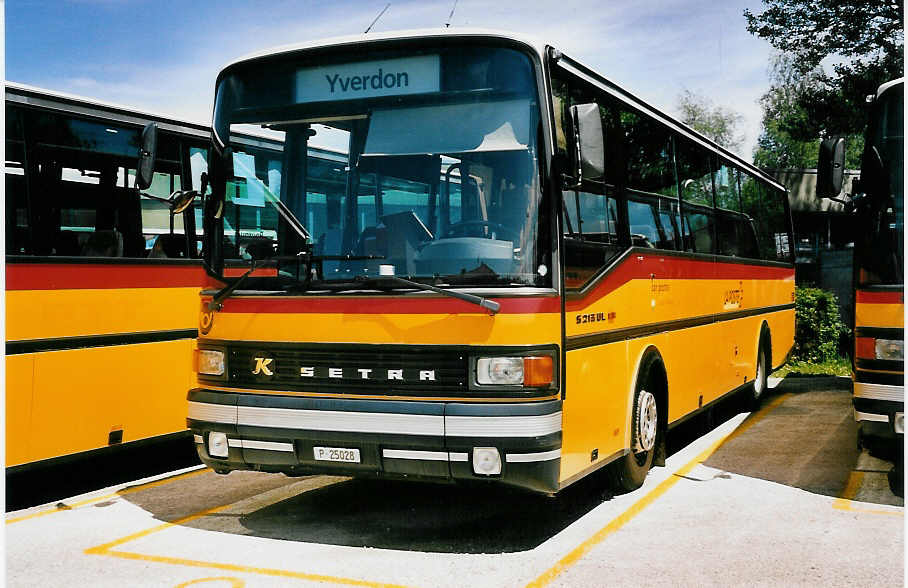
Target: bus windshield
x,y
422,164
880,248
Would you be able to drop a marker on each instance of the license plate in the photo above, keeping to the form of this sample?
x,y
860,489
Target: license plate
x,y
336,454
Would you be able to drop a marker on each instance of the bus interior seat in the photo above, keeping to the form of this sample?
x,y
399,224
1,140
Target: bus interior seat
x,y
373,241
66,243
104,243
644,235
330,243
168,246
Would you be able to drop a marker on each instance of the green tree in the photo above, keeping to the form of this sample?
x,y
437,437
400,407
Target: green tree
x,y
819,330
868,37
714,121
783,141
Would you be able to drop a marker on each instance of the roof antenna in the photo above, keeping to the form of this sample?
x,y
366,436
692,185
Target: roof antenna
x,y
377,17
451,16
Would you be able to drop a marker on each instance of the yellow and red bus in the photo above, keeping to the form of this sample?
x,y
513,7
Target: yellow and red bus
x,y
879,265
517,272
102,281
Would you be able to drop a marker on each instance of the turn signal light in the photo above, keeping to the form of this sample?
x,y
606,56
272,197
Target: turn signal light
x,y
530,372
210,362
872,348
538,371
865,347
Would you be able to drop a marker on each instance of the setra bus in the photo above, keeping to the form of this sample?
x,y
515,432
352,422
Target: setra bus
x,y
517,272
102,280
877,203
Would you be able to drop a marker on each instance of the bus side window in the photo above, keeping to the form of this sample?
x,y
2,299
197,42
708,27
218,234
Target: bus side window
x,y
17,232
729,235
590,238
644,226
669,224
766,206
695,176
698,224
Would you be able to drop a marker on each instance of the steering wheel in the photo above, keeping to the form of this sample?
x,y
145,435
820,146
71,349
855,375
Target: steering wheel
x,y
465,229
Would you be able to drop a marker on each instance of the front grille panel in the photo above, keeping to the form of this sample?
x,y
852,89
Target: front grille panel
x,y
349,369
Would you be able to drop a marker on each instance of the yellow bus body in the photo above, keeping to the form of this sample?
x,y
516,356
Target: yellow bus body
x,y
703,363
96,362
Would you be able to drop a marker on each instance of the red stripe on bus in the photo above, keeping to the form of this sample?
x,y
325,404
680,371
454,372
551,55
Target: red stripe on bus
x,y
382,305
873,297
76,276
235,272
645,267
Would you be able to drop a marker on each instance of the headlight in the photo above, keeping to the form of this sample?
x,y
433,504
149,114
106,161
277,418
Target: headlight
x,y
533,372
890,349
211,362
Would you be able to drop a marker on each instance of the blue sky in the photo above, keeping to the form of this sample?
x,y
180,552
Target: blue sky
x,y
163,55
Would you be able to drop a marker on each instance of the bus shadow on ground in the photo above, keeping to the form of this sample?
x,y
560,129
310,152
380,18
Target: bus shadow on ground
x,y
425,517
412,516
808,441
441,518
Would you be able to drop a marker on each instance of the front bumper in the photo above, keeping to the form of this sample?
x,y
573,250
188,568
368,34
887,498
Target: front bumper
x,y
879,411
397,439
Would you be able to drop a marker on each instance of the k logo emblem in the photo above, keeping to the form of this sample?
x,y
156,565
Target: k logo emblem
x,y
263,366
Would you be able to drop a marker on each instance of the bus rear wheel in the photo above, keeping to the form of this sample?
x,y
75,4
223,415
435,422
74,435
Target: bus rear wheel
x,y
629,472
761,380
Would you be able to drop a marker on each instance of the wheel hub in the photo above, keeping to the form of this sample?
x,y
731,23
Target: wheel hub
x,y
645,438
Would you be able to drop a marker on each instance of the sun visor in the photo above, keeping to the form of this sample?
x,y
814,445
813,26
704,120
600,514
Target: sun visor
x,y
449,128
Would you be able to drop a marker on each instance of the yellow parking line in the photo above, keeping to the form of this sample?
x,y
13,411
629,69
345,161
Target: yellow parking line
x,y
846,501
127,490
250,570
106,549
578,552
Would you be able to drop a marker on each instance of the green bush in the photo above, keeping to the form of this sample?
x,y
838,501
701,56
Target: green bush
x,y
818,326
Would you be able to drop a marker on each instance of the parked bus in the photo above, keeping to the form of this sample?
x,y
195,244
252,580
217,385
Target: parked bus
x,y
102,281
877,202
518,272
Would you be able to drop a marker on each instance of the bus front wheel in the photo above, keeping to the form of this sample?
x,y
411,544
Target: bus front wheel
x,y
629,472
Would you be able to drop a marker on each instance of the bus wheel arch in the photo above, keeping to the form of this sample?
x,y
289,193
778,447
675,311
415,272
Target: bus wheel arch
x,y
649,410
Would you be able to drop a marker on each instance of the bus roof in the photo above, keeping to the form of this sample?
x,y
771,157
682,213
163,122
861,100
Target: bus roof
x,y
71,103
439,33
54,100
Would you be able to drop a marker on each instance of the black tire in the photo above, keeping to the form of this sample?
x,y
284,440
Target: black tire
x,y
628,473
897,480
760,383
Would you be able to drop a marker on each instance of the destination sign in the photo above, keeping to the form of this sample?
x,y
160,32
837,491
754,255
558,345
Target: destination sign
x,y
369,79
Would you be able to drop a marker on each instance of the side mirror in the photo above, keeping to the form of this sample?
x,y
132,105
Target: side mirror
x,y
831,168
589,146
220,168
183,199
148,150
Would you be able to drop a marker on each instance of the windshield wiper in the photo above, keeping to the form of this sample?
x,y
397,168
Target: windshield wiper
x,y
225,292
490,305
261,257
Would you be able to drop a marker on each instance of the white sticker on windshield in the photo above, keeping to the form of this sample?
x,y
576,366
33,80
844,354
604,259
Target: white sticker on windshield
x,y
369,79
